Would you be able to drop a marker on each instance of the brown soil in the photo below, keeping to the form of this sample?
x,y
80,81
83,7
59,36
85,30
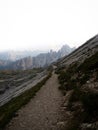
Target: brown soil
x,y
42,112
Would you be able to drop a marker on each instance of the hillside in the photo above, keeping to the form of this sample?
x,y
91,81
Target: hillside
x,y
76,108
78,78
81,53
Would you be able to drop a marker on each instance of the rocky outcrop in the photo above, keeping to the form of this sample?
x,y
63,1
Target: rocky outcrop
x,y
42,60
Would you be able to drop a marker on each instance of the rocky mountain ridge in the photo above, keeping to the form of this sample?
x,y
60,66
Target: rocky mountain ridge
x,y
41,60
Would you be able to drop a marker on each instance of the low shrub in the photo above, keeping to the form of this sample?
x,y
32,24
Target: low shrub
x,y
90,103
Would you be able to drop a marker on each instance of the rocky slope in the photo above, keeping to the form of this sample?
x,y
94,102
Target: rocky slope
x,y
81,53
42,60
78,76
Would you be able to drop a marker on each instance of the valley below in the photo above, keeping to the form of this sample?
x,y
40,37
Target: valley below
x,y
13,87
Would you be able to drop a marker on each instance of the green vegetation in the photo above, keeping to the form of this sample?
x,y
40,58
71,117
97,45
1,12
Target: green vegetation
x,y
89,64
65,78
75,78
87,112
90,103
8,110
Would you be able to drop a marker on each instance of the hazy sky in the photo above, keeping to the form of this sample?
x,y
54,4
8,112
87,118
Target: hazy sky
x,y
45,24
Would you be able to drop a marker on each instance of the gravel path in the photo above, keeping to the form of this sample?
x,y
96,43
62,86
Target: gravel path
x,y
42,112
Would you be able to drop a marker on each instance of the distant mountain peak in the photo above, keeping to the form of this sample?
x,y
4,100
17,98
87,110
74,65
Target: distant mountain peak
x,y
41,60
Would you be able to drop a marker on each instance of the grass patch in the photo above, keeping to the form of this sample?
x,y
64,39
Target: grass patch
x,y
8,110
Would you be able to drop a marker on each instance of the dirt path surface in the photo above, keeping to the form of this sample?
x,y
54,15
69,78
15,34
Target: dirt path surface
x,y
42,112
